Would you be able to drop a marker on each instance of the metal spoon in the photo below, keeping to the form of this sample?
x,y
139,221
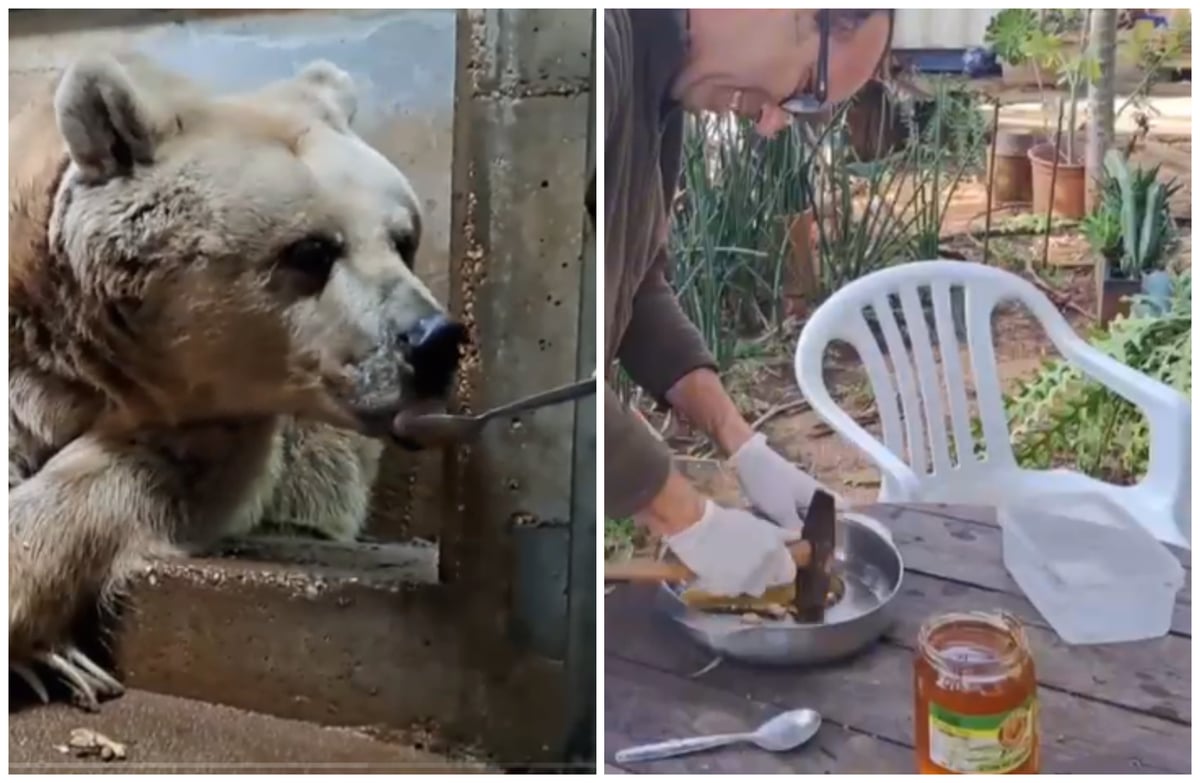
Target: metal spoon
x,y
783,732
441,429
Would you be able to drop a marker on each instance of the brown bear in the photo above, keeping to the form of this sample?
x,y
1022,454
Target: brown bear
x,y
213,320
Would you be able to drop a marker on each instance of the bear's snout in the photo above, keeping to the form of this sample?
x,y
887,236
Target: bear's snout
x,y
432,348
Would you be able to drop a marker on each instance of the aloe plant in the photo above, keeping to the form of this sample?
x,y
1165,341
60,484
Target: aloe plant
x,y
1141,204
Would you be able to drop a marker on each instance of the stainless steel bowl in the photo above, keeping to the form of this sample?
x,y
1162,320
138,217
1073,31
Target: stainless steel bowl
x,y
871,568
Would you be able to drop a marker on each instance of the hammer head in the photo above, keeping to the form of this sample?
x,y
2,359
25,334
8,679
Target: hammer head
x,y
812,583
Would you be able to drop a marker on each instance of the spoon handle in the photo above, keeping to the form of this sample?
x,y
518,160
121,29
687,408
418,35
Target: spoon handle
x,y
677,747
572,391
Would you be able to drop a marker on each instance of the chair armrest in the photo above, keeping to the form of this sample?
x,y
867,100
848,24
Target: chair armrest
x,y
1168,412
810,376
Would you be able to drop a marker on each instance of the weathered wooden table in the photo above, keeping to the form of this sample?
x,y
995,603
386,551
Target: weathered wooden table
x,y
1104,709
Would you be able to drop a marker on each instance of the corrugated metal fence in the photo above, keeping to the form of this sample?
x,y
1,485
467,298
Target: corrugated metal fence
x,y
941,28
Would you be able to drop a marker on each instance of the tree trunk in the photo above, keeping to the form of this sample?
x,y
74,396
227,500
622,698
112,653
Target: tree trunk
x,y
1100,99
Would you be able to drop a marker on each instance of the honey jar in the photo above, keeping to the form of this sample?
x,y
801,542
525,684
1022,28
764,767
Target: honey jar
x,y
976,696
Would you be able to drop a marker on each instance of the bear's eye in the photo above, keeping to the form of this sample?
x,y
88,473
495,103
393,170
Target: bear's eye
x,y
406,246
312,258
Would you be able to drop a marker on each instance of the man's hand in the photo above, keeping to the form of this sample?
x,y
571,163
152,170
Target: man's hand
x,y
774,486
733,552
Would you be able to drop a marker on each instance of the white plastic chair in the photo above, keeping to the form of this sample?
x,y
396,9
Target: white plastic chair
x,y
1161,502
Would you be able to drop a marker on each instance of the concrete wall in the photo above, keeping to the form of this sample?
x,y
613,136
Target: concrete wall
x,y
523,152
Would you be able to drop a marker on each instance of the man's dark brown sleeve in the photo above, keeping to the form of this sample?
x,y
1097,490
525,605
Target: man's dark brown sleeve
x,y
661,344
636,463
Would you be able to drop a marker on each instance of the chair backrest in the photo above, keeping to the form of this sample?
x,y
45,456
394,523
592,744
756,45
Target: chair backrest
x,y
938,300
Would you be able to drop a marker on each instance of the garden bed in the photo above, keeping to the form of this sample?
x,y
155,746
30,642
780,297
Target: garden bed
x,y
924,197
763,385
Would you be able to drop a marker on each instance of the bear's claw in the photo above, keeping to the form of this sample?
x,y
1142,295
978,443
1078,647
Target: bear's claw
x,y
32,680
88,682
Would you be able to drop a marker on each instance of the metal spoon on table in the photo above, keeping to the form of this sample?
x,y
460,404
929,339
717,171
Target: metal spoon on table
x,y
441,429
786,731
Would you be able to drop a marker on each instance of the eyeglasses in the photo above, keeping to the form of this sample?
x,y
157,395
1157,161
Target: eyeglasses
x,y
813,102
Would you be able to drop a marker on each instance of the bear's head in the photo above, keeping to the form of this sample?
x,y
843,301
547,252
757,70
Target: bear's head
x,y
243,254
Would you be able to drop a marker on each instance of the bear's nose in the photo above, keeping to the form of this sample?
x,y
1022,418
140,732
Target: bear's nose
x,y
432,348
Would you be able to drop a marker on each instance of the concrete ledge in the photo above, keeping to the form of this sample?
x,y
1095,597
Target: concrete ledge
x,y
379,563
327,644
319,642
164,734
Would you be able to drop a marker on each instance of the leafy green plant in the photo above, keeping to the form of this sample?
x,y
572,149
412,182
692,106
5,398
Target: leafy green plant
x,y
727,263
862,225
940,172
1008,34
1076,67
1062,417
728,240
621,539
1061,20
1150,49
788,161
1022,35
1041,38
1102,229
1141,204
890,209
953,124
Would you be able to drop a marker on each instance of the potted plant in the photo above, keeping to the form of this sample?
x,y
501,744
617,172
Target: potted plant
x,y
1075,68
1016,36
1131,231
1008,35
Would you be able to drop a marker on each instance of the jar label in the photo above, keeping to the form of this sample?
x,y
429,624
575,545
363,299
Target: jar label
x,y
982,743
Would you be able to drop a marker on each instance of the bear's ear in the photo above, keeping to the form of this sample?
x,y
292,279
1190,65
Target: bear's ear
x,y
106,124
333,85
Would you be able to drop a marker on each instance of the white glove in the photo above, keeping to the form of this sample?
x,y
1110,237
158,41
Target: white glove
x,y
733,552
774,486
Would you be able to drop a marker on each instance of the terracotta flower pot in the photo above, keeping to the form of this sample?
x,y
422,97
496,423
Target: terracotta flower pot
x,y
802,271
1012,175
1069,183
